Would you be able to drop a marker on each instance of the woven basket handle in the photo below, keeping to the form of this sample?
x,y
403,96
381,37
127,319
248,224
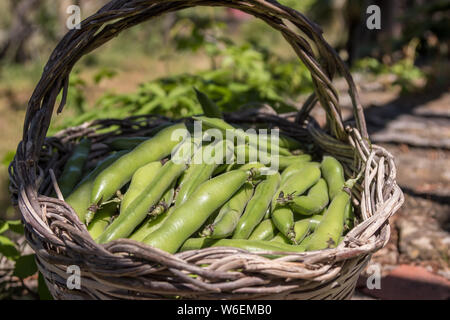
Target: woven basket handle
x,y
119,15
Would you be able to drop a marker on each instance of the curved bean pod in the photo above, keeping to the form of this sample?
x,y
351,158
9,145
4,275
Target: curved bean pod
x,y
120,172
304,179
283,219
150,225
201,170
333,173
137,210
165,202
266,230
257,206
280,238
331,227
295,168
315,201
286,161
205,200
102,219
228,216
297,183
79,199
141,179
73,168
247,138
304,226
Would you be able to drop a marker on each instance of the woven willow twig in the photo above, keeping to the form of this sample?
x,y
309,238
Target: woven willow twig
x,y
126,269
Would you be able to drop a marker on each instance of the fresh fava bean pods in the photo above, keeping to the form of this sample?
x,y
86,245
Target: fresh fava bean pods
x,y
283,219
178,193
333,173
295,168
283,143
302,181
228,216
126,143
141,179
208,197
165,202
201,170
280,238
73,169
266,230
330,229
129,143
102,219
243,137
257,206
120,172
141,206
295,185
80,198
150,224
315,201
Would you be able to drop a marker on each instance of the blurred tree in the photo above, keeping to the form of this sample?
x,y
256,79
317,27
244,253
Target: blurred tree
x,y
13,47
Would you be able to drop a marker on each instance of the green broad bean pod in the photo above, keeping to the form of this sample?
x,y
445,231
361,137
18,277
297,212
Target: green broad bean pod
x,y
246,153
73,168
205,200
202,169
333,173
228,216
136,212
252,139
286,161
283,219
284,143
120,172
125,143
102,220
280,238
165,202
221,169
315,220
315,201
295,168
257,206
349,217
141,179
297,184
248,166
79,199
331,227
266,230
150,225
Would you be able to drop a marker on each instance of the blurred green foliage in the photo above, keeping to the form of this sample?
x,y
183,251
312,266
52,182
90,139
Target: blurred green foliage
x,y
406,73
24,264
245,74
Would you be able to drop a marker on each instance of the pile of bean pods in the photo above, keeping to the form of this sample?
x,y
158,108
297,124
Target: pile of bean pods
x,y
150,189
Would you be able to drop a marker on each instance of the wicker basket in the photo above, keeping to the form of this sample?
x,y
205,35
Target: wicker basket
x,y
127,269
